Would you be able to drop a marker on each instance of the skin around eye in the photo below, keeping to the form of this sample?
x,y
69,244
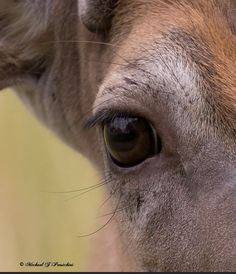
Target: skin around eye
x,y
130,140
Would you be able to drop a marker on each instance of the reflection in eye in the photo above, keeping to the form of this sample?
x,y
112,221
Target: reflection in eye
x,y
130,140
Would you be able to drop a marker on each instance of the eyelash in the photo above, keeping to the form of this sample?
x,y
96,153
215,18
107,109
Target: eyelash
x,y
105,116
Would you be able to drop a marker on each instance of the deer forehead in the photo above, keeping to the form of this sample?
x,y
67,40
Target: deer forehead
x,y
189,45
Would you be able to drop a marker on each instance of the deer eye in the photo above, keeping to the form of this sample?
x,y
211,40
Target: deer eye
x,y
130,140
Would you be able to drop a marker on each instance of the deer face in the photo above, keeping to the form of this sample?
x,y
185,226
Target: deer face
x,y
173,173
150,99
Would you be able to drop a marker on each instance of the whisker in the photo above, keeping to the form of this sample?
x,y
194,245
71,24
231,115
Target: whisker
x,y
103,226
75,190
79,42
107,199
84,192
108,214
113,192
99,43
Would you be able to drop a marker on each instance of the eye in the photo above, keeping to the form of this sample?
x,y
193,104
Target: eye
x,y
130,140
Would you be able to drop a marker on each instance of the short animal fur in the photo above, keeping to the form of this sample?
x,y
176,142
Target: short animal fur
x,y
173,63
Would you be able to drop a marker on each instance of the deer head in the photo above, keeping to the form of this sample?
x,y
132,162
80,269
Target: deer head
x,y
147,91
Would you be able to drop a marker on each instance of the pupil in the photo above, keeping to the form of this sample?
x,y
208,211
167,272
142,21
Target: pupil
x,y
123,141
123,134
126,137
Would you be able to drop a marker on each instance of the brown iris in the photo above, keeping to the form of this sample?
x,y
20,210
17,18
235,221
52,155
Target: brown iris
x,y
130,140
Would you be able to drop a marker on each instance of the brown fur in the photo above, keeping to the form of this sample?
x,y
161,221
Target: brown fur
x,y
206,20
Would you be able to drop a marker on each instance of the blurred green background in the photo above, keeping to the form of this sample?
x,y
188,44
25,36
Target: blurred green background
x,y
37,225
